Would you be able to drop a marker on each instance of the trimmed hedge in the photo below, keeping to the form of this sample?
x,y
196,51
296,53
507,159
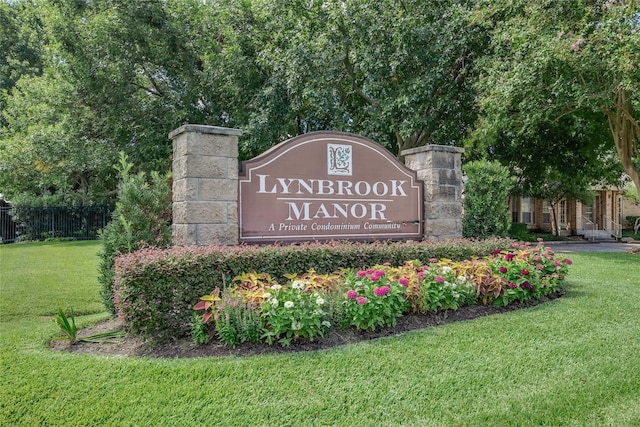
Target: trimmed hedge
x,y
155,289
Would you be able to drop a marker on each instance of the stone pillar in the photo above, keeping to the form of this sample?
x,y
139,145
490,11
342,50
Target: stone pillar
x,y
440,167
205,185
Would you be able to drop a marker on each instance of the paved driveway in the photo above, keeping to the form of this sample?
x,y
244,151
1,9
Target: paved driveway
x,y
592,246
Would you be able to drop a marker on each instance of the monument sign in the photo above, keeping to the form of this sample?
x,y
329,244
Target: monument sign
x,y
328,185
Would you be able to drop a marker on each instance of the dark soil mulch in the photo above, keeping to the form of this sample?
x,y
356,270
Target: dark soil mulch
x,y
135,346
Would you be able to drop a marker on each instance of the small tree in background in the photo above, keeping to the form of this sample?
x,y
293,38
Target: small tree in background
x,y
486,211
142,218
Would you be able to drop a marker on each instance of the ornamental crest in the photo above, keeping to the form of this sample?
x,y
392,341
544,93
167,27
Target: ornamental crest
x,y
339,160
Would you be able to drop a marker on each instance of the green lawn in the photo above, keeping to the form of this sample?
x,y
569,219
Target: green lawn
x,y
571,362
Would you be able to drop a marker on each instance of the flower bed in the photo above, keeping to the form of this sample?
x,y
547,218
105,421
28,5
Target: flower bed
x,y
154,290
258,309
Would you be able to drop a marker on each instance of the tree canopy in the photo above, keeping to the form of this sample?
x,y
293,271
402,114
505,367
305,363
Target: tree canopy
x,y
559,86
548,88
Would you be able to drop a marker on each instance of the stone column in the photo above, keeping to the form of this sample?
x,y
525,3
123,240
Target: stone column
x,y
205,185
440,167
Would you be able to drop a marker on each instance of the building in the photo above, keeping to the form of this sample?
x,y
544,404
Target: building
x,y
603,219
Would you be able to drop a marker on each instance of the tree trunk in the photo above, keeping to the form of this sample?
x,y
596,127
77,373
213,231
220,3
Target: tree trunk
x,y
556,226
626,133
416,139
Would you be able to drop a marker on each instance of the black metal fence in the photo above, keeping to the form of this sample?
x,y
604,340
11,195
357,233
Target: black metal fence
x,y
40,223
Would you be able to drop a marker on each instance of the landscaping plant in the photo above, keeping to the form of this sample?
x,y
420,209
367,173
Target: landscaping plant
x,y
294,311
372,300
310,304
67,324
142,218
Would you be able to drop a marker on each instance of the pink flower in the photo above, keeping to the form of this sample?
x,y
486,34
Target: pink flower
x,y
361,301
421,275
439,279
496,251
568,261
525,272
433,260
361,274
509,257
381,291
404,281
375,276
352,294
512,285
540,267
503,269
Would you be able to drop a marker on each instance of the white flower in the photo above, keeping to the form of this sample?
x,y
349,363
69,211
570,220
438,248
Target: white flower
x,y
320,301
266,295
276,287
296,326
274,302
326,323
462,279
288,304
446,269
298,284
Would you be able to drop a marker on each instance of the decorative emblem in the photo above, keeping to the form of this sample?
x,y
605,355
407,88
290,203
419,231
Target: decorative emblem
x,y
339,159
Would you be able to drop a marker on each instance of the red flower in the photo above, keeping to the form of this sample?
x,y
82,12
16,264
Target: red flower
x,y
503,269
525,272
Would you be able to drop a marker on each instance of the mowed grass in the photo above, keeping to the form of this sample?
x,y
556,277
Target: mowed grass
x,y
574,361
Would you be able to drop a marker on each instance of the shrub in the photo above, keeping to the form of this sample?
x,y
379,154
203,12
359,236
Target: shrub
x,y
373,298
155,289
142,218
486,212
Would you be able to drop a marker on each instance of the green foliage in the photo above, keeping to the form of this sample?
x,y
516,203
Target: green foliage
x,y
199,331
142,218
67,324
558,88
293,312
312,303
518,231
486,212
155,289
234,314
372,300
441,288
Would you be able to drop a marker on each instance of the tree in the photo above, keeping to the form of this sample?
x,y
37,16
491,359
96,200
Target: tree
x,y
118,76
559,65
396,71
20,47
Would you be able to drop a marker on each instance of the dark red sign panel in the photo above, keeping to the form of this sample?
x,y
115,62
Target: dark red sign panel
x,y
328,185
